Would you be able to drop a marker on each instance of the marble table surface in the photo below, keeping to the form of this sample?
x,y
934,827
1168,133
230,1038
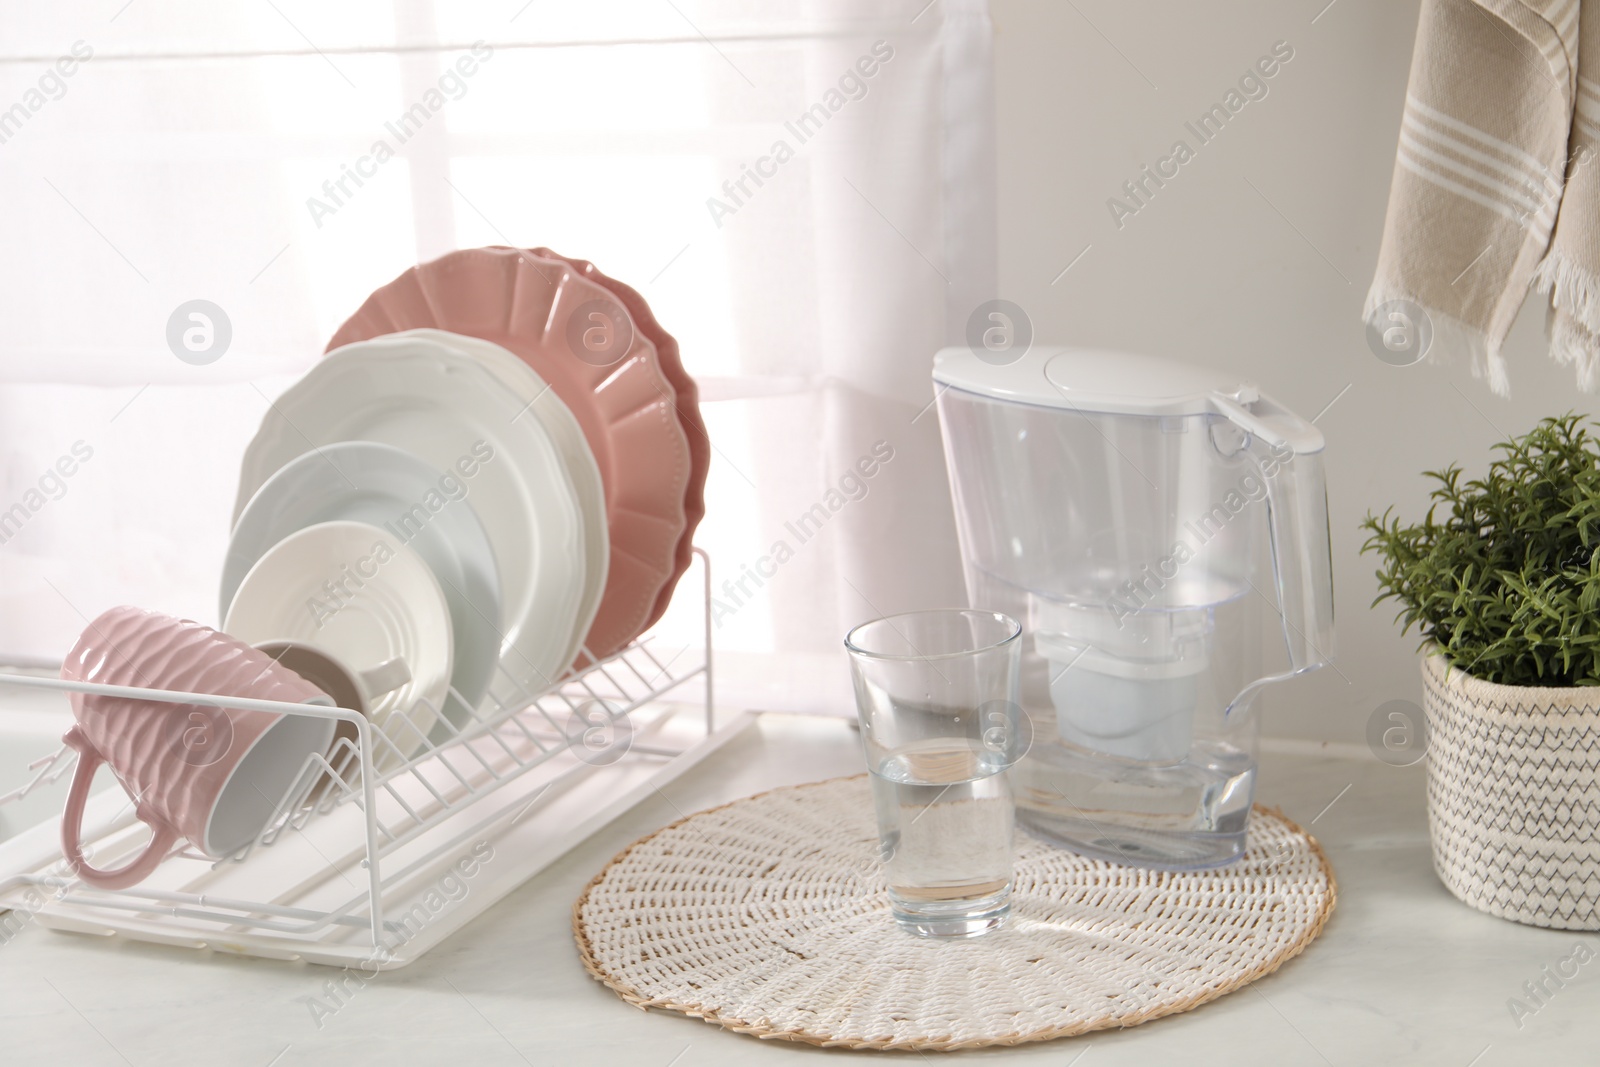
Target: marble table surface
x,y
1403,973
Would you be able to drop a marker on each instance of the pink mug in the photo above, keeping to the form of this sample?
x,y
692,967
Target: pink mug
x,y
214,776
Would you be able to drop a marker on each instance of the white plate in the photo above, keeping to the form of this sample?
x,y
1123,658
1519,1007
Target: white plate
x,y
541,402
359,594
414,502
447,410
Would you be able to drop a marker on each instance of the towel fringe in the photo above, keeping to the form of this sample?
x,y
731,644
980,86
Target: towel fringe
x,y
1572,288
1573,343
1451,336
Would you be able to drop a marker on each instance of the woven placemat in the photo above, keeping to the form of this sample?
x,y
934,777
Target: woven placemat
x,y
768,916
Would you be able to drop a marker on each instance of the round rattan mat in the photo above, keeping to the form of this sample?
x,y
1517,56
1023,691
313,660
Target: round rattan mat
x,y
768,917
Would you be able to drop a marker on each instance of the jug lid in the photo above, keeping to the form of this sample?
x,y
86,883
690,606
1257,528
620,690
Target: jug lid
x,y
1085,379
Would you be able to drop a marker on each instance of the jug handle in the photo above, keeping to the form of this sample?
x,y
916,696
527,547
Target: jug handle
x,y
1288,452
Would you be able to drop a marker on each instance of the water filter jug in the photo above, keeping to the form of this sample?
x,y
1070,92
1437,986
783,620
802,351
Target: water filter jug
x,y
1144,518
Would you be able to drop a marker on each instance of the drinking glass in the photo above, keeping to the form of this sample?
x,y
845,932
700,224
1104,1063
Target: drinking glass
x,y
936,692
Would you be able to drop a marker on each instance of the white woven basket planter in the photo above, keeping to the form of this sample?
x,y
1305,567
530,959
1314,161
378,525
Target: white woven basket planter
x,y
1514,796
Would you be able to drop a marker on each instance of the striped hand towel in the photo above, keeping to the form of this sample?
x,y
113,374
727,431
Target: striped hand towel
x,y
1496,182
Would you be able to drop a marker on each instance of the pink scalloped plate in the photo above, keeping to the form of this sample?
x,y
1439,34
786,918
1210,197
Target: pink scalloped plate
x,y
621,396
694,504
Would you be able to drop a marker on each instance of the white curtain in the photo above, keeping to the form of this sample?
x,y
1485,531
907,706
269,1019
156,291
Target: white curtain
x,y
802,190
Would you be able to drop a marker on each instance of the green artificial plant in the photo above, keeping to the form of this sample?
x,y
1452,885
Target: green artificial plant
x,y
1506,581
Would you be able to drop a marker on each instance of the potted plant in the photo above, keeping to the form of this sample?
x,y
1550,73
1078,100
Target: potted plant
x,y
1502,580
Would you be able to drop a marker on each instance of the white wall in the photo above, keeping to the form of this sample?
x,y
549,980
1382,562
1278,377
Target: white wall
x,y
1266,281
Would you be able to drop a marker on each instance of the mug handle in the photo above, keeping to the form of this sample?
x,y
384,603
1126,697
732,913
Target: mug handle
x,y
162,837
386,677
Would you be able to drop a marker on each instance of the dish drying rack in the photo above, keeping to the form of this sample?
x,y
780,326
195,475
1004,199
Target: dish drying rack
x,y
387,844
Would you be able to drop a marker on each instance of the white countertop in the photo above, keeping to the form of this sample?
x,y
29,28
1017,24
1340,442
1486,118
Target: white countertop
x,y
1403,972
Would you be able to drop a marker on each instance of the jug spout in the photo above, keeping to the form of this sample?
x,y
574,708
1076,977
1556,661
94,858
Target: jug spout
x,y
1289,452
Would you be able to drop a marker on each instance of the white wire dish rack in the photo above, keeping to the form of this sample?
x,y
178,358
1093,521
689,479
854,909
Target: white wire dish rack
x,y
372,869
